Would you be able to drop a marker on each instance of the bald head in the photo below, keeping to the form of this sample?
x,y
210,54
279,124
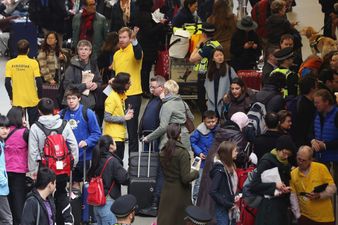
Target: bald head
x,y
305,151
304,157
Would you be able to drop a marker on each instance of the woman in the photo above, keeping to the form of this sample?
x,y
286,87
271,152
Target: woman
x,y
173,110
276,206
123,15
115,114
225,22
224,183
285,121
176,191
16,156
113,176
186,14
49,58
245,48
218,81
239,98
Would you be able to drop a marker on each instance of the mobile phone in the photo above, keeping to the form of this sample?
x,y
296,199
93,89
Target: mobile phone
x,y
303,193
196,163
130,106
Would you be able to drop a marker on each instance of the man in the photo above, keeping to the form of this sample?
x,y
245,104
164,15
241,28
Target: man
x,y
23,81
129,60
287,41
200,56
39,206
124,209
83,74
86,130
149,122
36,143
197,216
310,206
329,80
91,26
270,63
284,59
267,141
325,141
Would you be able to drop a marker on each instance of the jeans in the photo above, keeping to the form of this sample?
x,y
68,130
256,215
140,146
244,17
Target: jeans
x,y
132,125
103,214
196,187
5,212
17,194
222,216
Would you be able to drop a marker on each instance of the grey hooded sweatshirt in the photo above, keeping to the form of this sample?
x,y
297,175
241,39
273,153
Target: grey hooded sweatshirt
x,y
37,138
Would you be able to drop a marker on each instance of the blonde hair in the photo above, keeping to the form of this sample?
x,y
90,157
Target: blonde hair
x,y
171,86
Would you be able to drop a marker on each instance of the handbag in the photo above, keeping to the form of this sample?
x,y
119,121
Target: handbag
x,y
96,196
189,124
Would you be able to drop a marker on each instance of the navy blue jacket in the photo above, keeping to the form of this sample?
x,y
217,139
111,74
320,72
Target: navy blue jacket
x,y
183,16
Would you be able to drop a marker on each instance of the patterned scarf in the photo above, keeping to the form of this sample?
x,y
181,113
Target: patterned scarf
x,y
86,28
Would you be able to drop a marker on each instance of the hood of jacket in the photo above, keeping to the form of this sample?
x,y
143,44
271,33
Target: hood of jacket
x,y
218,167
50,121
171,97
75,61
203,129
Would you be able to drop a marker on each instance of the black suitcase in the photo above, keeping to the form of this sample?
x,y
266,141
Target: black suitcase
x,y
143,181
23,29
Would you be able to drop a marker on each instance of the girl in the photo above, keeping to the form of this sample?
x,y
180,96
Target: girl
x,y
285,121
239,98
217,84
16,155
49,58
115,115
224,183
113,176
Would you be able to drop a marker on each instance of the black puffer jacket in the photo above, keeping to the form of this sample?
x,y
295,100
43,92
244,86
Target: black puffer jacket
x,y
30,210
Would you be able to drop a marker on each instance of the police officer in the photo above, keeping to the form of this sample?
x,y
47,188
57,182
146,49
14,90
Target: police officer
x,y
285,59
124,209
196,216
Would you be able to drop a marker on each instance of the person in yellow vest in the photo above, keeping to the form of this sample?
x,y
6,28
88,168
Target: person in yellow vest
x,y
311,204
284,59
129,60
115,114
23,81
200,56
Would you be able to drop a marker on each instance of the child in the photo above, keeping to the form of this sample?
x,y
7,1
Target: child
x,y
224,183
5,212
218,81
201,140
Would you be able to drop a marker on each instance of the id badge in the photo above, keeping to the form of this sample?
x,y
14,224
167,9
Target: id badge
x,y
59,165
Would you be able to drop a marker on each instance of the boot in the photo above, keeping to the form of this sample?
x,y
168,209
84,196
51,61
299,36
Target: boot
x,y
151,210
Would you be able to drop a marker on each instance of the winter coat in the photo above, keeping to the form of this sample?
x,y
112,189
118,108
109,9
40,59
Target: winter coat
x,y
264,143
275,207
16,150
49,64
114,172
4,189
228,132
220,187
73,79
201,140
183,16
176,191
223,88
37,138
30,210
117,22
173,110
241,58
100,27
240,104
271,97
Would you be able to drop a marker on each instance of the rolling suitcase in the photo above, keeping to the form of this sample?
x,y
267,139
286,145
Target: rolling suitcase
x,y
142,184
252,78
23,29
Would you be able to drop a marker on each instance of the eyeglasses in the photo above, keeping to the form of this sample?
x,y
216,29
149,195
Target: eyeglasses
x,y
152,87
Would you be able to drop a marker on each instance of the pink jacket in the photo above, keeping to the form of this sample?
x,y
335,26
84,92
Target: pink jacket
x,y
16,152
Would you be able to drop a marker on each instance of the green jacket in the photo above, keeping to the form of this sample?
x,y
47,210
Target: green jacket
x,y
100,26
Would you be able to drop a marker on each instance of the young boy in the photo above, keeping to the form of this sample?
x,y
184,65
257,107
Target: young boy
x,y
201,140
85,128
5,212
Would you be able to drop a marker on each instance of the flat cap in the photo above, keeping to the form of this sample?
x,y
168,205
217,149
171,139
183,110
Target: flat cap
x,y
284,53
124,205
197,215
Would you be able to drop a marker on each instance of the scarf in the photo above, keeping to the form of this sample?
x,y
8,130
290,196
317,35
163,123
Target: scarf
x,y
86,27
283,161
125,7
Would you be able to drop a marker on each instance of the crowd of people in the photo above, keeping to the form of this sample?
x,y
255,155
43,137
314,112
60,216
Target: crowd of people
x,y
288,128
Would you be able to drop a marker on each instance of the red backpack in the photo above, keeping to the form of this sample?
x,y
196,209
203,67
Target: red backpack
x,y
55,154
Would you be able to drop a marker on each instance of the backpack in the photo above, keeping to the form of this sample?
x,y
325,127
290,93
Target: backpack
x,y
55,154
84,113
256,116
251,199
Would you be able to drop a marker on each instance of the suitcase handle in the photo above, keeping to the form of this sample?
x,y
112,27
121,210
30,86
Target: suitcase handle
x,y
151,146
